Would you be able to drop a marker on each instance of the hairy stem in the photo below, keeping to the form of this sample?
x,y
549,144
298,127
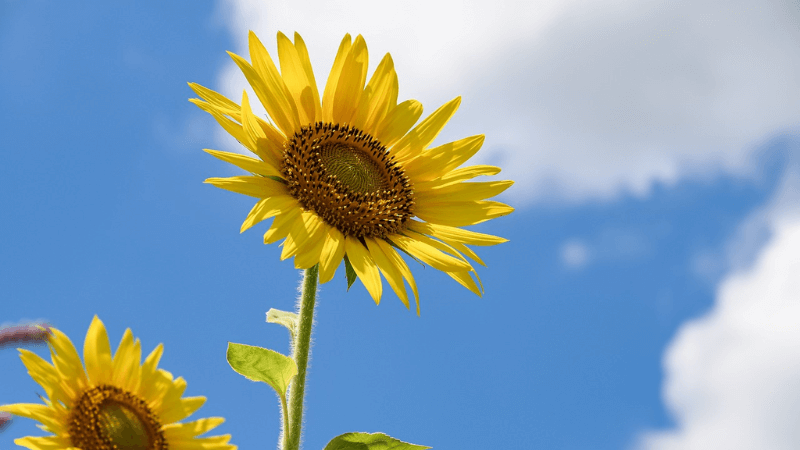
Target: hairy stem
x,y
300,353
285,415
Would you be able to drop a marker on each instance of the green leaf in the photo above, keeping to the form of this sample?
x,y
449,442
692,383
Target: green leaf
x,y
262,364
369,441
348,270
285,318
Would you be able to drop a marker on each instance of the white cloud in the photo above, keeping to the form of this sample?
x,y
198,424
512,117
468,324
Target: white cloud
x,y
610,244
732,377
754,232
579,99
574,254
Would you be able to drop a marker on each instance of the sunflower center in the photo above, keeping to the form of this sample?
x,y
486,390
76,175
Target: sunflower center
x,y
347,178
123,427
354,168
109,418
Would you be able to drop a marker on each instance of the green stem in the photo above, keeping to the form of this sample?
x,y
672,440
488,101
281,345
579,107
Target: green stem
x,y
285,414
300,353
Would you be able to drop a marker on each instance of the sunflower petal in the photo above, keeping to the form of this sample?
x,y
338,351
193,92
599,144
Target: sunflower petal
x,y
247,163
468,173
43,443
461,192
459,247
252,129
269,207
333,78
443,247
447,233
365,267
310,251
281,226
216,99
192,404
42,372
33,411
151,362
412,144
156,388
288,246
150,370
259,187
398,262
233,128
379,96
332,254
454,177
430,254
299,80
398,121
305,61
273,98
440,160
303,229
350,85
97,353
459,214
126,361
176,432
270,149
173,408
218,441
467,281
200,443
389,270
282,107
67,361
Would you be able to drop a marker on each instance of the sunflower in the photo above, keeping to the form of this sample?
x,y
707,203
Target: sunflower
x,y
117,403
345,175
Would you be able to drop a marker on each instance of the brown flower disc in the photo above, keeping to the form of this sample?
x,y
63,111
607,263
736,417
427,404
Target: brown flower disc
x,y
348,179
109,418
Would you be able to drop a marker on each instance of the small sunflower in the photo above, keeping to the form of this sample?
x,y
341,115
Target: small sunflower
x,y
345,175
116,403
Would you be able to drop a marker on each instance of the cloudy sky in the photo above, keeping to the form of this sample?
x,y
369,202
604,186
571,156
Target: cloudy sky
x,y
648,297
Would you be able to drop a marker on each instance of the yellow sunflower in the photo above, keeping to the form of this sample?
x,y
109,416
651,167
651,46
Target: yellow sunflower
x,y
116,403
345,175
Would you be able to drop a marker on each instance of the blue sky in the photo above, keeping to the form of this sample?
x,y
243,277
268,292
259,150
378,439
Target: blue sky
x,y
651,260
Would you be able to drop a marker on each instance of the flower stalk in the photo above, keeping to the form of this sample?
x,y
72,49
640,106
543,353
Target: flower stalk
x,y
300,353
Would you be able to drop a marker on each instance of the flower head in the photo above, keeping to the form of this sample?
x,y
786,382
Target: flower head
x,y
116,403
345,175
